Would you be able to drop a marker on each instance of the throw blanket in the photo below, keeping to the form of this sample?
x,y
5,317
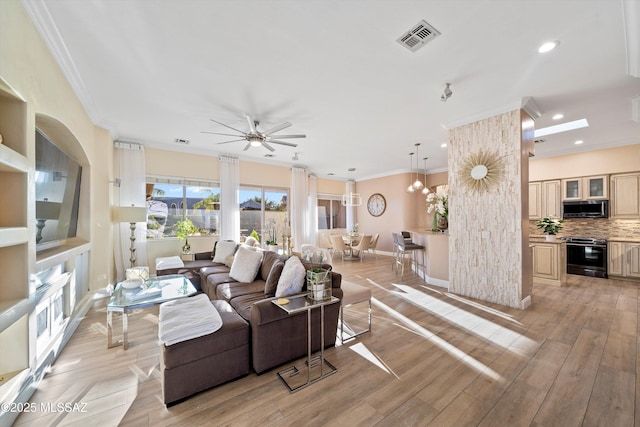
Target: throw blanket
x,y
169,262
187,318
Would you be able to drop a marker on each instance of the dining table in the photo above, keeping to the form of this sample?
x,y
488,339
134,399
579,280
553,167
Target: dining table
x,y
351,240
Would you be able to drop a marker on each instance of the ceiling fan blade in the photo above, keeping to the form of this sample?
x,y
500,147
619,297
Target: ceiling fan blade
x,y
227,126
276,128
247,147
218,133
268,147
273,141
233,140
290,136
252,124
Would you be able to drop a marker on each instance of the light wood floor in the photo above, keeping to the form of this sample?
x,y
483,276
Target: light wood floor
x,y
432,359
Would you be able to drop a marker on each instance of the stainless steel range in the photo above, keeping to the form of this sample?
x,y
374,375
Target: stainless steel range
x,y
587,256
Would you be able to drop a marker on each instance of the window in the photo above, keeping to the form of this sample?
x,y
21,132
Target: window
x,y
265,211
170,201
331,213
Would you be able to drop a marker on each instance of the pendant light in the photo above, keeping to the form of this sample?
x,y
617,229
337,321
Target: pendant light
x,y
410,189
417,185
425,190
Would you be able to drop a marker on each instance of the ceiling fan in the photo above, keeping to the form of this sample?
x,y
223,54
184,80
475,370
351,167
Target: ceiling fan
x,y
256,137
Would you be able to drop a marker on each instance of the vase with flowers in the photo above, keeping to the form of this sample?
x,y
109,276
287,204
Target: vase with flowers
x,y
438,202
185,228
550,227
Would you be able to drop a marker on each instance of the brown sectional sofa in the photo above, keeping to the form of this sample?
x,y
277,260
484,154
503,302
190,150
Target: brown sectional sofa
x,y
276,337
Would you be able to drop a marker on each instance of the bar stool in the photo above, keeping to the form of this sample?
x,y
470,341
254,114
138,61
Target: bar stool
x,y
404,248
354,294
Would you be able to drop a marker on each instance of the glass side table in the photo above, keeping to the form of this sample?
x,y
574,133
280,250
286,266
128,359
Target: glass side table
x,y
156,290
321,368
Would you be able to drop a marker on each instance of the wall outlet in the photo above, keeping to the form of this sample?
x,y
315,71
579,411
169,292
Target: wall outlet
x,y
484,234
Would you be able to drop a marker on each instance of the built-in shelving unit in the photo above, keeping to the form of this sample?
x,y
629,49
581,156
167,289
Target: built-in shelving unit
x,y
15,299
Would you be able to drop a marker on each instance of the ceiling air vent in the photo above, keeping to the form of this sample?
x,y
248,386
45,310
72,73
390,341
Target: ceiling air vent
x,y
421,34
182,141
538,141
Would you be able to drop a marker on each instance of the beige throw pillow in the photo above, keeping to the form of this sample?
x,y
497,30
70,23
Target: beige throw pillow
x,y
246,264
224,248
292,278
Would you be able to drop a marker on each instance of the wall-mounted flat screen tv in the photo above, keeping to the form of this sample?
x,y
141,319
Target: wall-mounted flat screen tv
x,y
58,179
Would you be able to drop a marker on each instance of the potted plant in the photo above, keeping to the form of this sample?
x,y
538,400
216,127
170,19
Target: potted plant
x,y
270,236
550,227
318,279
185,228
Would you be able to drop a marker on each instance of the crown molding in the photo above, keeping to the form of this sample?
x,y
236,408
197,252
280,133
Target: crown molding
x,y
43,22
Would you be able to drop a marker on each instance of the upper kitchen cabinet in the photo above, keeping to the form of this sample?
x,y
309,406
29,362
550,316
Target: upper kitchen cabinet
x,y
590,187
625,192
544,199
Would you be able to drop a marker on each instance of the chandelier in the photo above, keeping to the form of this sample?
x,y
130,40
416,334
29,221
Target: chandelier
x,y
416,185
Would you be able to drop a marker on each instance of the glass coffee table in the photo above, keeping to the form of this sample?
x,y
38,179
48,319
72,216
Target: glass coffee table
x,y
316,367
156,290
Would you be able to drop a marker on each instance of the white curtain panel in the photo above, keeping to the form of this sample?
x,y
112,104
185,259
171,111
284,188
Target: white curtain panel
x,y
350,188
313,211
299,207
129,167
229,198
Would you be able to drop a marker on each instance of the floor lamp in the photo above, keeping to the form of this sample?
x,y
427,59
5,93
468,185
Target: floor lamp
x,y
132,215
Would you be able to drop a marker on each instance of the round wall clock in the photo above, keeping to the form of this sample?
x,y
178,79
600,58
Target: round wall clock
x,y
376,204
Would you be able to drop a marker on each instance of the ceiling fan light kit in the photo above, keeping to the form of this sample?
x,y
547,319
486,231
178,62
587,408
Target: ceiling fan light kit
x,y
256,137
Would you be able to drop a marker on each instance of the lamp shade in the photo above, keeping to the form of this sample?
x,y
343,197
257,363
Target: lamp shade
x,y
130,214
47,210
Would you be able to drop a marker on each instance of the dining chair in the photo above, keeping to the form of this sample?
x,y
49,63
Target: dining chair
x,y
339,245
405,248
373,245
362,246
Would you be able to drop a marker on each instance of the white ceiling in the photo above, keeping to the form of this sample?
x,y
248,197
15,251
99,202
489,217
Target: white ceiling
x,y
154,71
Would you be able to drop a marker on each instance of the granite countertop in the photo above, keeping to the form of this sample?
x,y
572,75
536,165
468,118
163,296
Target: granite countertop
x,y
624,239
543,239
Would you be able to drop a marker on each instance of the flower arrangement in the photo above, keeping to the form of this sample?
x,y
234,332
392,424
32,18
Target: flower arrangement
x,y
439,201
271,234
550,225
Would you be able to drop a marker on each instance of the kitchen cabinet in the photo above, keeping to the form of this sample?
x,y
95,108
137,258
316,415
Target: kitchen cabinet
x,y
15,240
625,196
624,259
544,199
549,263
583,188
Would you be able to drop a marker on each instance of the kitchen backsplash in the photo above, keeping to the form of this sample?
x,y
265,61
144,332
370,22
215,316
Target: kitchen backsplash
x,y
599,228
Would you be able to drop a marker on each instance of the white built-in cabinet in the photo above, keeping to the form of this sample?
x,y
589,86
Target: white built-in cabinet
x,y
583,188
545,199
625,196
549,263
15,252
624,259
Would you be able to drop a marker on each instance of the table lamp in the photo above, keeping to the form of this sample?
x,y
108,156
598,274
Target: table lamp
x,y
45,210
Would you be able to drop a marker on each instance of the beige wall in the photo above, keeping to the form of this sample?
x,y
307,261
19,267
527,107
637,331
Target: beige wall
x,y
607,161
27,65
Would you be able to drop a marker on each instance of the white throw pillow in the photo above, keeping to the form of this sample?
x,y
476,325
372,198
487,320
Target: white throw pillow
x,y
246,264
224,248
292,278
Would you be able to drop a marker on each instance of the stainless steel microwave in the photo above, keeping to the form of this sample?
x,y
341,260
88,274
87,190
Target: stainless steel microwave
x,y
585,209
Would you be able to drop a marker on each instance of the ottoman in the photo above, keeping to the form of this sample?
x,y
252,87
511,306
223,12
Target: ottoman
x,y
194,365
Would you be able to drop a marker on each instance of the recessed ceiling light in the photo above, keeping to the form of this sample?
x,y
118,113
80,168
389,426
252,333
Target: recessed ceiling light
x,y
562,127
548,46
443,145
351,169
578,142
557,116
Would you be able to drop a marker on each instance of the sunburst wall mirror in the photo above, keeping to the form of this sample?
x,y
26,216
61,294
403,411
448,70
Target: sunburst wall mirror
x,y
481,171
